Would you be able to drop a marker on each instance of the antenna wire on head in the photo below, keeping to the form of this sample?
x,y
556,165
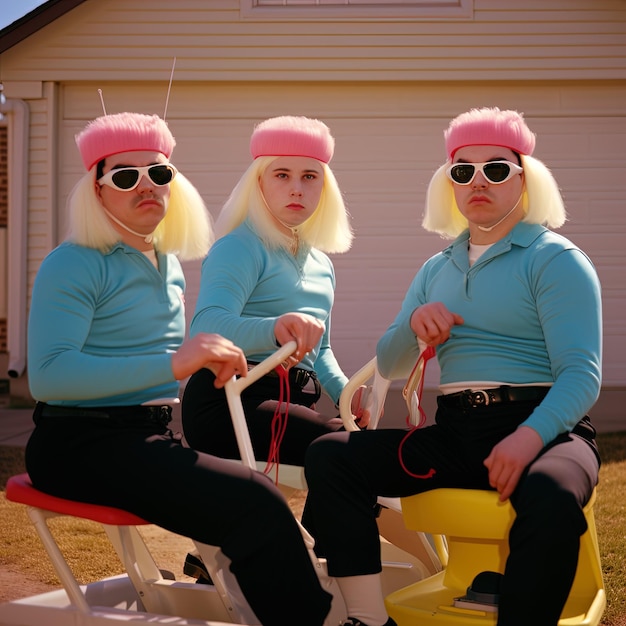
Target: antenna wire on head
x,y
102,101
169,88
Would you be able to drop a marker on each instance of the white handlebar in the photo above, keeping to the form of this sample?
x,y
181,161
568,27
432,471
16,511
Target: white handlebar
x,y
374,400
235,386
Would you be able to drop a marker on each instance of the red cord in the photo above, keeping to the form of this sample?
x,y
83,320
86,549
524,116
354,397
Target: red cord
x,y
279,421
424,357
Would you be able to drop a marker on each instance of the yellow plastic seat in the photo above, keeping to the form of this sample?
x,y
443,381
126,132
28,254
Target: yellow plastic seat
x,y
476,525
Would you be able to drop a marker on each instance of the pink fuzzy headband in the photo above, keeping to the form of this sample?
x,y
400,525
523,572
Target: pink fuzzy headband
x,y
292,136
489,127
123,132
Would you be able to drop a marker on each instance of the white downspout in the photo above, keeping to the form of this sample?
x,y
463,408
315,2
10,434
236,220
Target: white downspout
x,y
17,113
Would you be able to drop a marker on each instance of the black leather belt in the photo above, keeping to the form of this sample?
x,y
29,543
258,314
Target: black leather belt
x,y
297,375
478,398
138,414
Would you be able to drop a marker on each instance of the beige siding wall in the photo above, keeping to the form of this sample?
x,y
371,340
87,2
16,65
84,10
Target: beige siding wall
x,y
501,41
43,164
387,88
389,141
42,168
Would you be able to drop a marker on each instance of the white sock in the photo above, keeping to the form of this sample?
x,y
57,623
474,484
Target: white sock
x,y
364,599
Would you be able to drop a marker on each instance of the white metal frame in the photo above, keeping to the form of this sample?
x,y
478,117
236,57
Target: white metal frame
x,y
143,594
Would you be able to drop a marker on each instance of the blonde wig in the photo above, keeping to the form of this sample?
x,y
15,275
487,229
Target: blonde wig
x,y
185,230
328,229
541,200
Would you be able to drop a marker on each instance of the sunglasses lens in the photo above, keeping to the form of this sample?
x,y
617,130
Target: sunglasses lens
x,y
125,179
496,172
462,173
161,174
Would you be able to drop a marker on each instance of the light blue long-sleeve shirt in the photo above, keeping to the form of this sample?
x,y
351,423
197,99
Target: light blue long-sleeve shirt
x,y
533,314
102,327
245,287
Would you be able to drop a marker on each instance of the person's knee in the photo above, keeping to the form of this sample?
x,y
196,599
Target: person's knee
x,y
554,509
323,456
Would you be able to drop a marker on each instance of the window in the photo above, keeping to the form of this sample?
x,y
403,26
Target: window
x,y
356,9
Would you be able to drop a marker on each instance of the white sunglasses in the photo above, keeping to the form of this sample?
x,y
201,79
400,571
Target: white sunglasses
x,y
496,172
127,178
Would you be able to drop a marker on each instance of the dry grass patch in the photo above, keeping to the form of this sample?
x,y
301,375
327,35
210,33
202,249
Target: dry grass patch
x,y
88,550
83,543
610,514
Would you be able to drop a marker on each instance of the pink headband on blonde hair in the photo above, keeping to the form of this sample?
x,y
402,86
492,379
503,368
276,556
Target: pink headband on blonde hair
x,y
292,136
123,132
489,127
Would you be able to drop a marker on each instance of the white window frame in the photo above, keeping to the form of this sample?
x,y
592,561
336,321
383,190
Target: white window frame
x,y
340,10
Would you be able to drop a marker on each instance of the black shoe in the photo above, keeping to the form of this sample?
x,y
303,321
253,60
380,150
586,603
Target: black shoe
x,y
352,621
195,567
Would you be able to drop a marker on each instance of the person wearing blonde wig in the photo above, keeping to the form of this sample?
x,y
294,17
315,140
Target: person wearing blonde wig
x,y
513,312
267,281
106,350
540,202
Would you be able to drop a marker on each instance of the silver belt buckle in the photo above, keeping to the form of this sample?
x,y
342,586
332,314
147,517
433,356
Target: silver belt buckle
x,y
479,398
301,377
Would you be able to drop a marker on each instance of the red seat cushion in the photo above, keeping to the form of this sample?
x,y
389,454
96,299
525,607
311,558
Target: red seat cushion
x,y
20,489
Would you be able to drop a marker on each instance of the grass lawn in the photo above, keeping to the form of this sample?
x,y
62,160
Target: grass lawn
x,y
88,550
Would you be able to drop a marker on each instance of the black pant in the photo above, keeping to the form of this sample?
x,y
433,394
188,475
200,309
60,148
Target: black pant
x,y
144,470
208,427
347,471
